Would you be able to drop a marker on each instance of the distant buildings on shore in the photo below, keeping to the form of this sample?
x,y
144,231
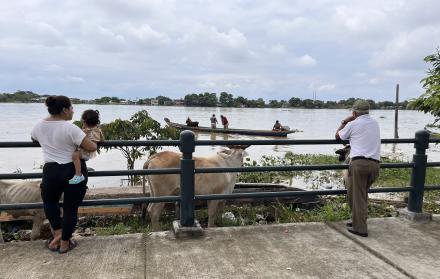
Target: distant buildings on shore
x,y
207,100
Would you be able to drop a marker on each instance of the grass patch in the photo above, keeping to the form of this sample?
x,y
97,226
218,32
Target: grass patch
x,y
333,178
114,225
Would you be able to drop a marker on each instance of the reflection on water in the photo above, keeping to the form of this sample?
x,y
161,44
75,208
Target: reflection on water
x,y
315,124
394,148
213,136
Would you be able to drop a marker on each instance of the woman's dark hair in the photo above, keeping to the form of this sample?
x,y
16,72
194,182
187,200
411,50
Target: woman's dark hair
x,y
56,104
91,117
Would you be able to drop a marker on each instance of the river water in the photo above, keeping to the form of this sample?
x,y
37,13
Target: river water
x,y
18,119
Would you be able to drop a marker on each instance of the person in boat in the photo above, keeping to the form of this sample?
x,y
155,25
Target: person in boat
x,y
191,123
213,122
277,126
225,122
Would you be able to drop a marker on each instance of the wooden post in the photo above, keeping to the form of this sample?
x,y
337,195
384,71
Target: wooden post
x,y
396,113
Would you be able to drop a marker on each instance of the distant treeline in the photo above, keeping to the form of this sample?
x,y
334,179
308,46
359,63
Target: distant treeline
x,y
208,99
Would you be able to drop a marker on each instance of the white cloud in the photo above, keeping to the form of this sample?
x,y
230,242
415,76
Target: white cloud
x,y
360,74
252,49
282,27
207,84
278,49
327,87
407,49
373,81
305,61
75,79
360,20
322,87
146,36
232,86
52,68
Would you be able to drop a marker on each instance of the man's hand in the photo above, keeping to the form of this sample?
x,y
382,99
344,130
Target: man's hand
x,y
343,123
348,119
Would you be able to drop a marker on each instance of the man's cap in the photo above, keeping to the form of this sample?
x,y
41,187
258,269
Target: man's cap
x,y
361,106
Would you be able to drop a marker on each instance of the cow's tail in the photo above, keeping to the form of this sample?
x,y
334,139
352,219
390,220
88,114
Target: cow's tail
x,y
147,166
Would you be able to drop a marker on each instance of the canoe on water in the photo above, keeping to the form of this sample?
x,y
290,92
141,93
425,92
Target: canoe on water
x,y
269,133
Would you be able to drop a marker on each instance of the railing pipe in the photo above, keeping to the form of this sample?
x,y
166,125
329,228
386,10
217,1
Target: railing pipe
x,y
295,168
187,147
118,201
137,200
9,144
294,193
209,170
415,200
95,173
291,142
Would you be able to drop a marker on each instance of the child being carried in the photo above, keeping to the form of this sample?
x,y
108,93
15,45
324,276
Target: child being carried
x,y
90,126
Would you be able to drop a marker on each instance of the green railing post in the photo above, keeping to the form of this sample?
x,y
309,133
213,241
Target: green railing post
x,y
415,200
187,147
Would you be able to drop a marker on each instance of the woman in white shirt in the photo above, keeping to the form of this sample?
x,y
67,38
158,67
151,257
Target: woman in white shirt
x,y
59,138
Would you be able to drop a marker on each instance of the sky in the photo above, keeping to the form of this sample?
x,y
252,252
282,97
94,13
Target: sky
x,y
255,49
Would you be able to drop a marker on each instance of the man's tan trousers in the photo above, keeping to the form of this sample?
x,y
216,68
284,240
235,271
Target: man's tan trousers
x,y
361,174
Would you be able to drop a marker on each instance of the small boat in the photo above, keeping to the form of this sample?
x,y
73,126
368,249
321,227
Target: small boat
x,y
269,133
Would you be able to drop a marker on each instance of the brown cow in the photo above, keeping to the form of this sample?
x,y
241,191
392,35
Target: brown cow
x,y
23,191
205,183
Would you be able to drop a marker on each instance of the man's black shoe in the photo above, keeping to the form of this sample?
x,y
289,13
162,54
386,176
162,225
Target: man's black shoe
x,y
349,224
350,230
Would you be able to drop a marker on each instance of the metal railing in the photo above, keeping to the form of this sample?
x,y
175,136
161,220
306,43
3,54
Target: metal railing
x,y
187,171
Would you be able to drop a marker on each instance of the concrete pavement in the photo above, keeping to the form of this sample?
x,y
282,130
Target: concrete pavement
x,y
395,248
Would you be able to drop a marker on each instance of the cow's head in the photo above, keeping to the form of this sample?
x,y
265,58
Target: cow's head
x,y
343,153
234,154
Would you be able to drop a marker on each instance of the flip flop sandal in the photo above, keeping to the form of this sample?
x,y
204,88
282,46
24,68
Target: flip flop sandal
x,y
72,245
48,245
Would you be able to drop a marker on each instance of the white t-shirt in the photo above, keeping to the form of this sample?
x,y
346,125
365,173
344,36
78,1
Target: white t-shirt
x,y
364,136
58,139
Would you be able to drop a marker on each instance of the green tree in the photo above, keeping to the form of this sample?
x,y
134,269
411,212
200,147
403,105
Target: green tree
x,y
430,100
307,103
295,102
164,101
274,104
240,102
140,127
260,103
226,100
191,100
19,97
208,99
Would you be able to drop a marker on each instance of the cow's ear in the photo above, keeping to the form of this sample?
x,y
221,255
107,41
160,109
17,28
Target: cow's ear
x,y
225,151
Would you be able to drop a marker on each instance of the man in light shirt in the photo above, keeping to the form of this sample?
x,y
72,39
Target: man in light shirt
x,y
364,135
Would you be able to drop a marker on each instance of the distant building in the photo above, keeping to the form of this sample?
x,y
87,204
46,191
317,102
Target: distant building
x,y
154,102
179,102
39,100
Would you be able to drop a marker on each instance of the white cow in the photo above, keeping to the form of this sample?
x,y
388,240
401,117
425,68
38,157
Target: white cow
x,y
205,183
23,191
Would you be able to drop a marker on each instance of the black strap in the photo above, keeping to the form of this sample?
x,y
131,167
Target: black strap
x,y
364,158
